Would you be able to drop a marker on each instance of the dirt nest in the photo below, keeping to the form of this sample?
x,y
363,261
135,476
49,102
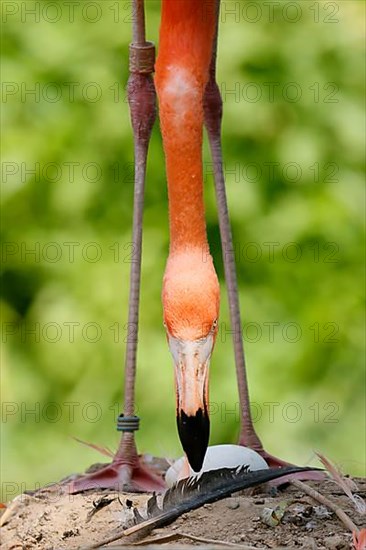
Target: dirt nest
x,y
262,518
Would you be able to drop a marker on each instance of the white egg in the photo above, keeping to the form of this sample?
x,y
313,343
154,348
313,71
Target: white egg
x,y
217,456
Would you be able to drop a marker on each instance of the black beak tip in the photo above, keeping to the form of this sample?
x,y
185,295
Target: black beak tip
x,y
194,433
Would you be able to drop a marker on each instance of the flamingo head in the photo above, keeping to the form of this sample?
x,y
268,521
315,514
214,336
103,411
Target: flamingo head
x,y
191,298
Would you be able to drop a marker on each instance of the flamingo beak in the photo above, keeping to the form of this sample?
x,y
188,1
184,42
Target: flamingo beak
x,y
191,361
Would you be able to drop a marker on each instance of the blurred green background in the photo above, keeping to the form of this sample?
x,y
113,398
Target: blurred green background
x,y
292,78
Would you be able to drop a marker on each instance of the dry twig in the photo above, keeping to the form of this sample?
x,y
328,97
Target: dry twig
x,y
214,541
103,450
346,484
168,537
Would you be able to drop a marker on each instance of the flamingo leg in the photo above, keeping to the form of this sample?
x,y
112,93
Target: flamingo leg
x,y
213,117
127,470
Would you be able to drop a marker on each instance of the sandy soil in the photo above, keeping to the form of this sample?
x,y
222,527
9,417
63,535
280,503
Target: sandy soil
x,y
263,518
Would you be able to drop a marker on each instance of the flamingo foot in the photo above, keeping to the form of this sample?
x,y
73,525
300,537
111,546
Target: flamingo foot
x,y
120,476
274,462
250,439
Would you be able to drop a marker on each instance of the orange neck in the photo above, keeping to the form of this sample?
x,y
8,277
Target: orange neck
x,y
185,50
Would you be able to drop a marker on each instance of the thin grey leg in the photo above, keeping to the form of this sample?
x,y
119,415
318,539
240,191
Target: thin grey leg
x,y
213,118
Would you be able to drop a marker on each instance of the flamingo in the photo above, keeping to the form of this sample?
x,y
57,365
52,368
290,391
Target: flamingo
x,y
189,99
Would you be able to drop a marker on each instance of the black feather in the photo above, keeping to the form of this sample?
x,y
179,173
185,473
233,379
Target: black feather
x,y
189,494
152,507
138,517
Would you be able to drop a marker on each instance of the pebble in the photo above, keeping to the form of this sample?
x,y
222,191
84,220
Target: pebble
x,y
233,505
70,533
322,512
308,511
336,542
308,543
311,525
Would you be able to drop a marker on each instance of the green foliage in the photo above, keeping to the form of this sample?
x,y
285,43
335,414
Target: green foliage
x,y
293,150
